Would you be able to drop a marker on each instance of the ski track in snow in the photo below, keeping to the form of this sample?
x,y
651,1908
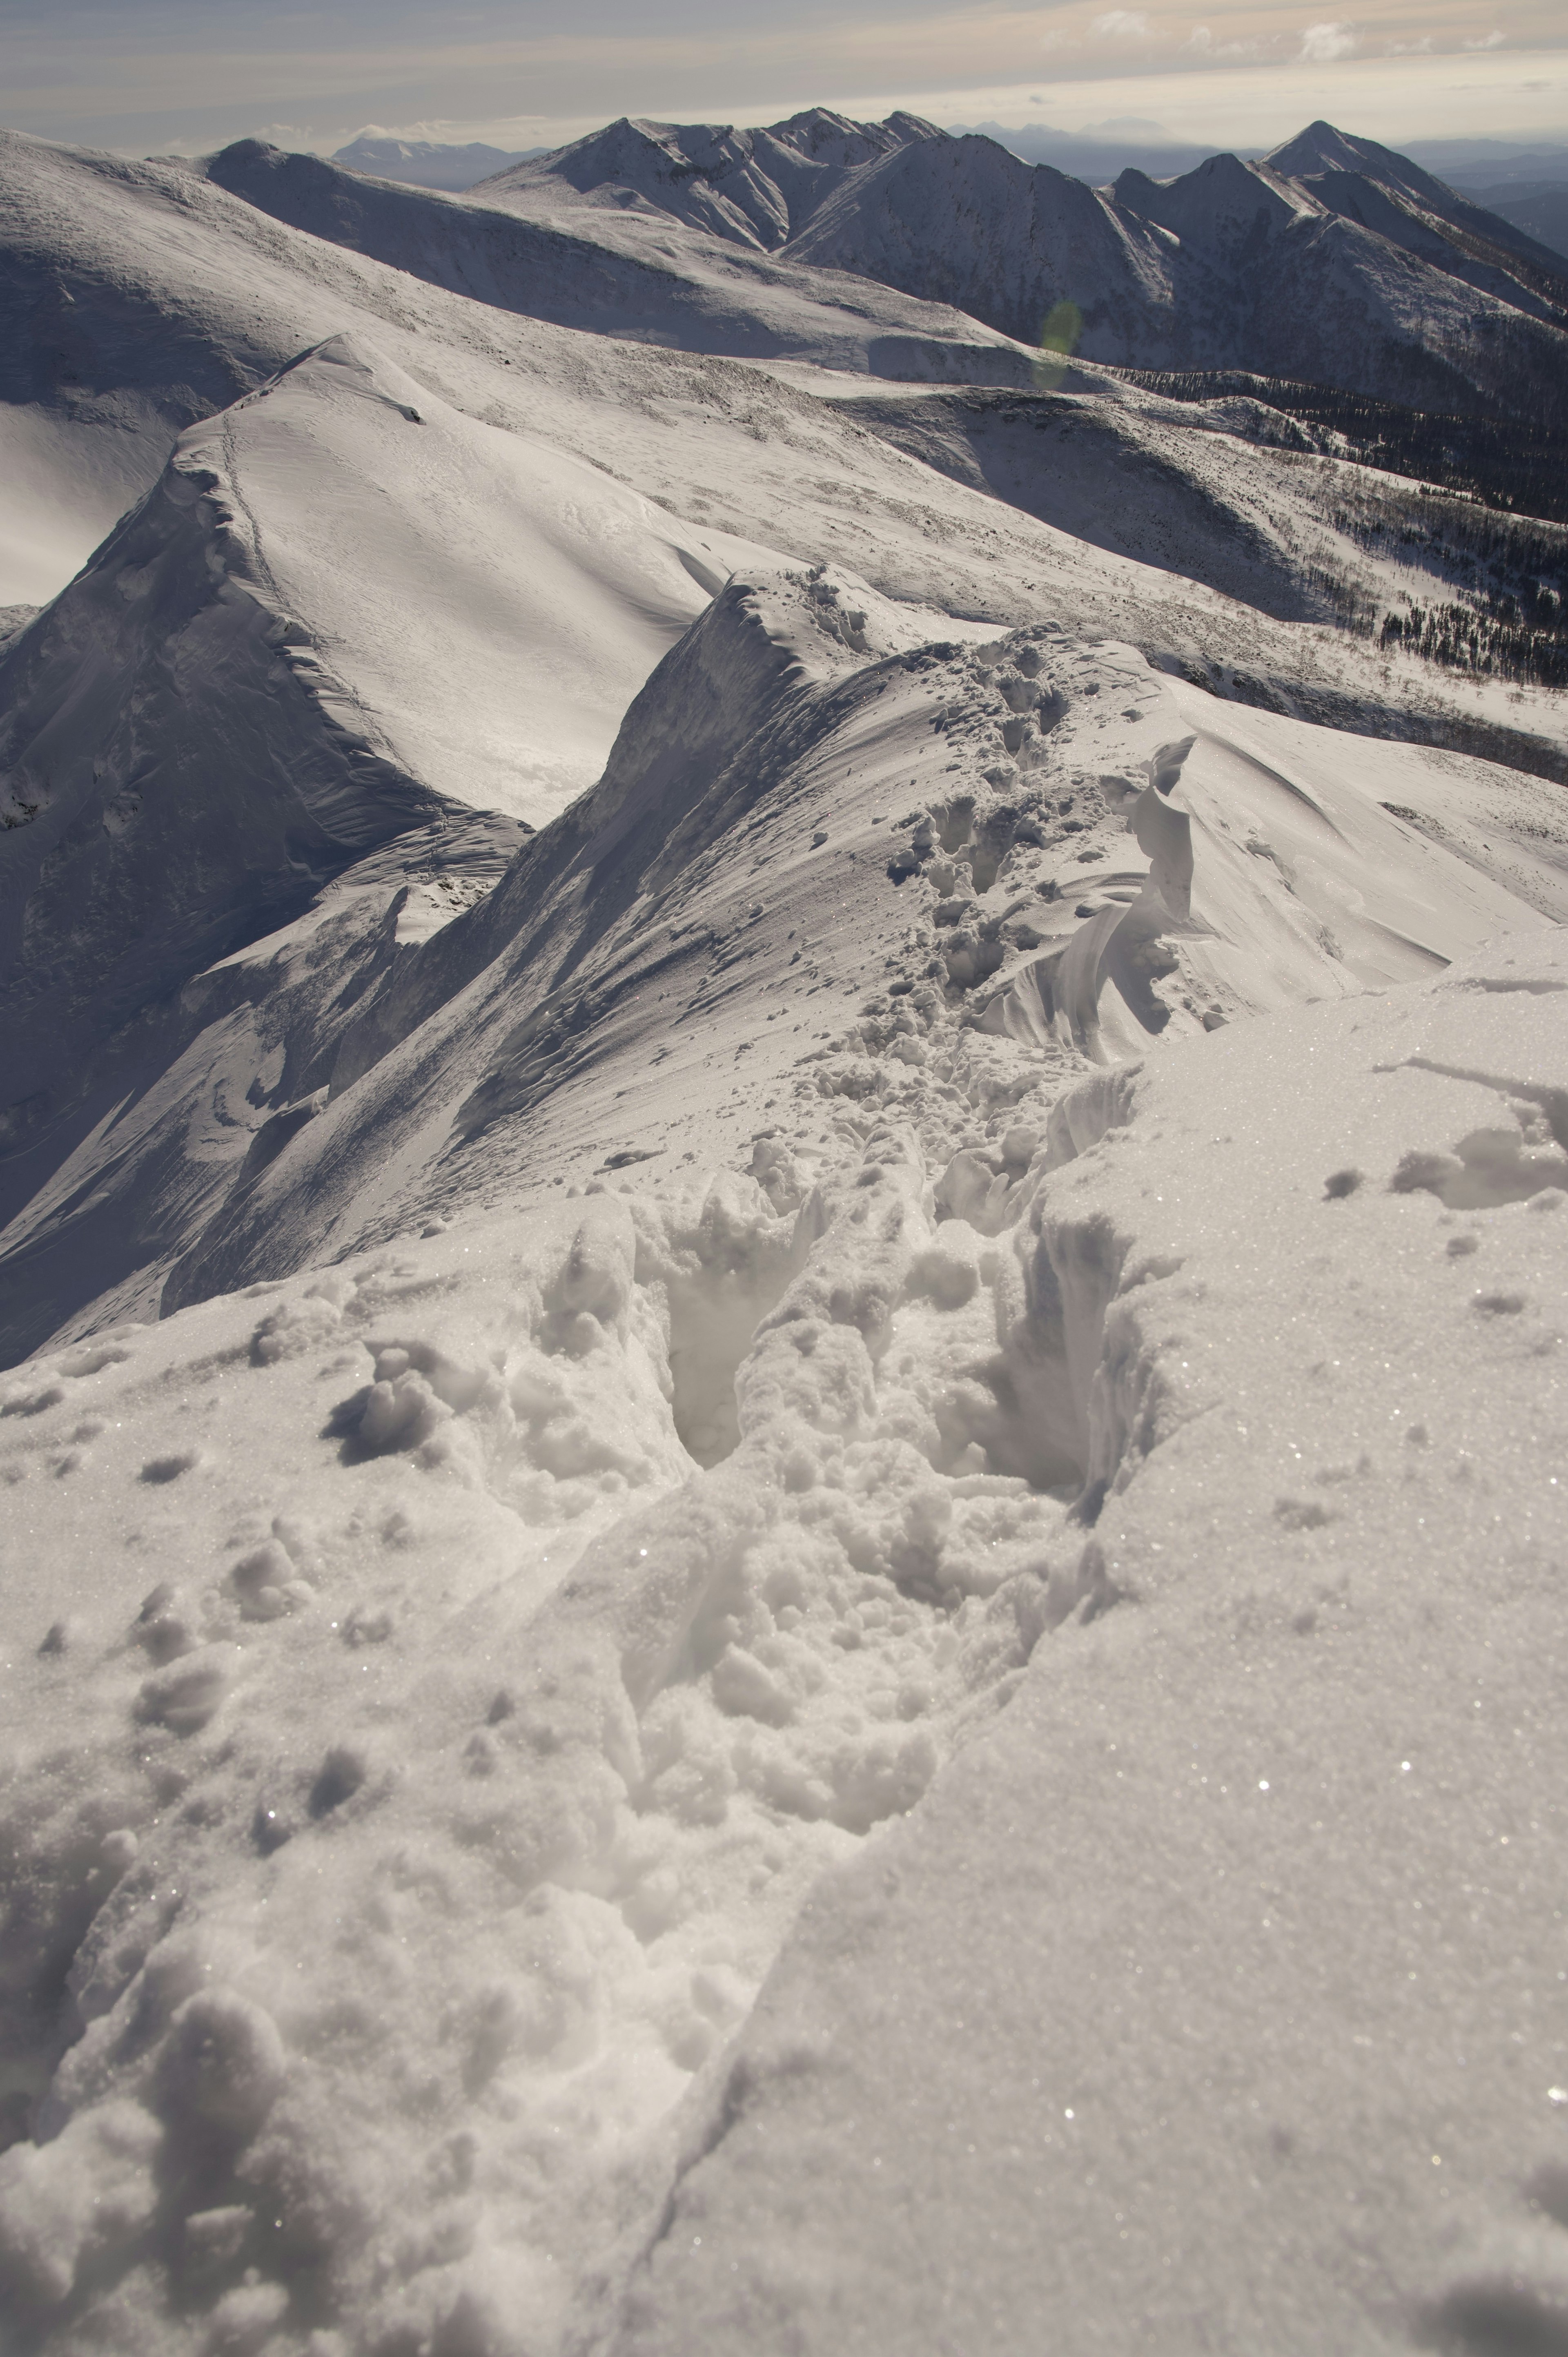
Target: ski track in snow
x,y
782,1543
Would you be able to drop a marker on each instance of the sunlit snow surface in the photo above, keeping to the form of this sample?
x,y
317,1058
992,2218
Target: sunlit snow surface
x,y
782,1570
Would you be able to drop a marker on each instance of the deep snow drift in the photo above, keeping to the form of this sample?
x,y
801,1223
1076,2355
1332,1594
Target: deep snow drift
x,y
784,1548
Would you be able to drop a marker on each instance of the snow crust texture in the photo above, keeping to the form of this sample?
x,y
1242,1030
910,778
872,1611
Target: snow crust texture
x,y
785,1206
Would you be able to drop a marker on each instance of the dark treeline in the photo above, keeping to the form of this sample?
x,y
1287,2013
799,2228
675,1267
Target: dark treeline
x,y
1497,644
1514,464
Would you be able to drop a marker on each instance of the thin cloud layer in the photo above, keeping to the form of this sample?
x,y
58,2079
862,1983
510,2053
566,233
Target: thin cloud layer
x,y
183,73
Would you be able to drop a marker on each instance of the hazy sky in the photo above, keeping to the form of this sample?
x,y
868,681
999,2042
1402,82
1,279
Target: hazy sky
x,y
143,75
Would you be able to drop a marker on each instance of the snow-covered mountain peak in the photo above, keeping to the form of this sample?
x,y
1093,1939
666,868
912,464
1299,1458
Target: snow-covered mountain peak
x,y
1321,149
819,133
757,187
1217,198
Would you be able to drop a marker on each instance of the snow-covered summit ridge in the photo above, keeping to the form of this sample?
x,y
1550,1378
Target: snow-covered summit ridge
x,y
636,943
757,187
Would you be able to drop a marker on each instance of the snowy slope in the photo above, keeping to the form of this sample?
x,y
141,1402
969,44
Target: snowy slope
x,y
1210,2001
494,1633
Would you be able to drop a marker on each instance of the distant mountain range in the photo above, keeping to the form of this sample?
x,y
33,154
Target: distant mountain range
x,y
1520,184
427,164
1097,159
1540,209
1331,261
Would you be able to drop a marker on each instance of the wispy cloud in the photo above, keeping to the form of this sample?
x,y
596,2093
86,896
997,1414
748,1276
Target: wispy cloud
x,y
1323,45
1200,43
191,74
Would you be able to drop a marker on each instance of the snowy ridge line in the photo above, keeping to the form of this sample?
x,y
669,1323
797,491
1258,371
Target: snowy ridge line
x,y
107,765
527,1610
602,277
427,1054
